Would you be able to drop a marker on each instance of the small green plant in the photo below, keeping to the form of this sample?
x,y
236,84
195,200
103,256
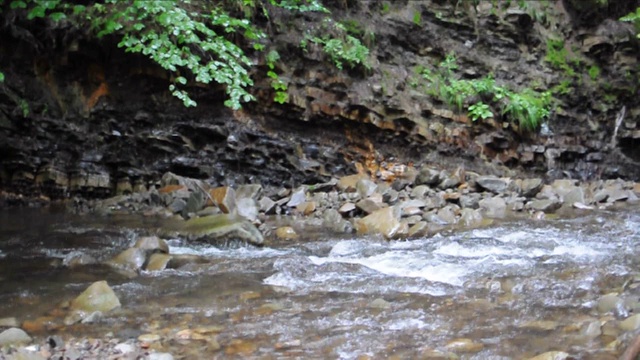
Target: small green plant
x,y
594,72
564,88
527,108
343,48
1,77
634,18
480,110
417,18
386,8
281,96
558,56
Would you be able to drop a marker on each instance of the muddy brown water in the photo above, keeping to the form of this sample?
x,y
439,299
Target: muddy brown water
x,y
505,292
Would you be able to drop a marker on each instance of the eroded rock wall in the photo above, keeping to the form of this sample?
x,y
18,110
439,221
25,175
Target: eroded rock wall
x,y
79,116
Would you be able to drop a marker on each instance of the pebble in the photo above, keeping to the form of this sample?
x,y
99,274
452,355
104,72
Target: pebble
x,y
149,338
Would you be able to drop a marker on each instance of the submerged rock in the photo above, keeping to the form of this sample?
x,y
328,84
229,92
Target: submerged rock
x,y
220,228
97,297
130,259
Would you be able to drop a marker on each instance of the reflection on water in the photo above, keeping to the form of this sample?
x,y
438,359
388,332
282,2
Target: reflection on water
x,y
516,290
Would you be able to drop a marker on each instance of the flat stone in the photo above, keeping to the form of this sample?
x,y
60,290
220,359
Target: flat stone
x,y
347,207
225,198
97,297
531,187
368,205
298,197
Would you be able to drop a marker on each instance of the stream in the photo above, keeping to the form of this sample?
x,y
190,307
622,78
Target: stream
x,y
510,291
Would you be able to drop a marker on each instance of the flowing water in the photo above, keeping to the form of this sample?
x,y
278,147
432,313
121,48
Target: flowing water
x,y
506,292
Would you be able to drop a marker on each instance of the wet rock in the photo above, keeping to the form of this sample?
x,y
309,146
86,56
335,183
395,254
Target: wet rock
x,y
385,221
225,199
591,330
74,259
551,355
97,297
177,206
152,244
448,215
540,325
531,187
544,205
14,336
220,228
464,346
380,303
419,192
158,262
418,229
365,187
631,323
130,259
249,191
470,201
609,302
286,233
494,207
492,183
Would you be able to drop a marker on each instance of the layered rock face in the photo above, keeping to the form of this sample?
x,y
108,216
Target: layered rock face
x,y
81,117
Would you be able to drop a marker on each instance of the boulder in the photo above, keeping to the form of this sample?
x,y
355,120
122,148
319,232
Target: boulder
x,y
492,183
428,176
220,228
152,244
247,207
493,207
286,233
97,297
158,262
530,187
385,221
14,336
544,205
130,259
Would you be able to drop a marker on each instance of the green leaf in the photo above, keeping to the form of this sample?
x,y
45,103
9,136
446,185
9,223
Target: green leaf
x,y
57,16
1,77
36,12
181,80
18,4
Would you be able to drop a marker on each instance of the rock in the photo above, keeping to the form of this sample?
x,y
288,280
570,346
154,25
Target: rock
x,y
221,228
581,206
152,244
286,233
9,322
390,196
124,348
158,262
379,303
464,346
346,208
368,205
267,205
177,206
90,318
418,229
149,338
348,183
160,356
492,183
494,207
428,176
575,195
306,208
449,182
540,325
332,220
298,197
470,218
631,323
531,187
447,215
591,330
225,199
365,188
544,205
130,259
249,191
551,355
385,221
609,302
25,354
470,201
247,208
97,297
14,336
74,259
